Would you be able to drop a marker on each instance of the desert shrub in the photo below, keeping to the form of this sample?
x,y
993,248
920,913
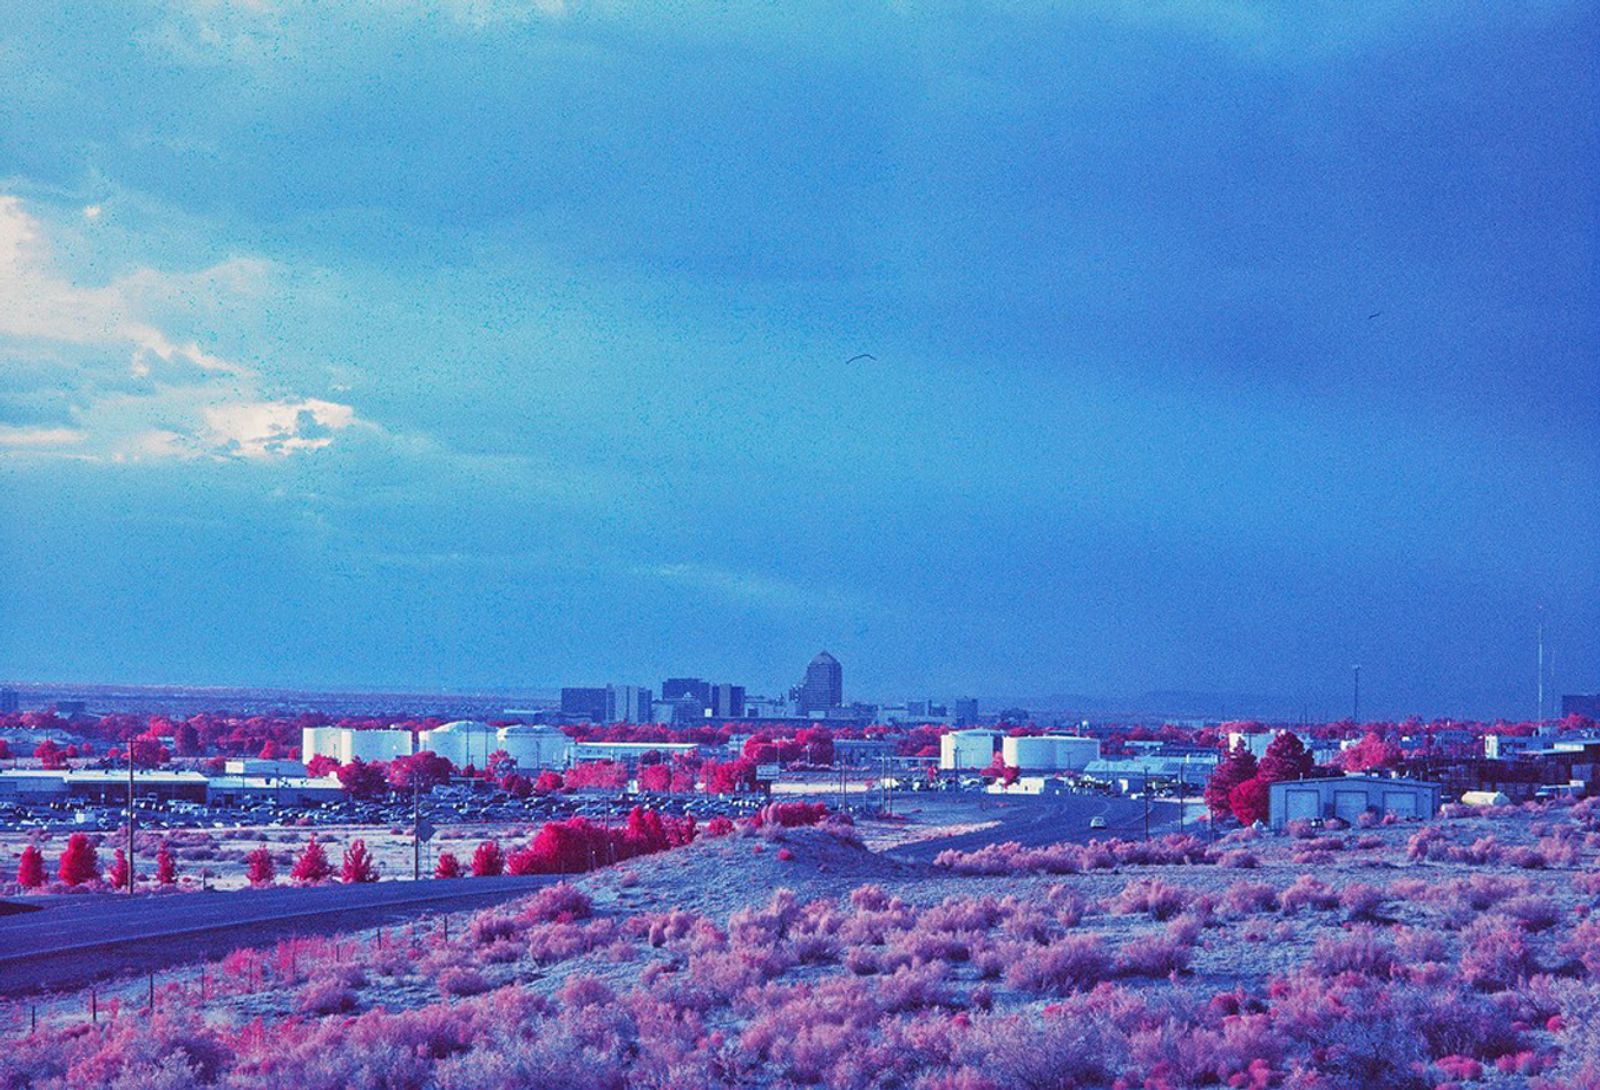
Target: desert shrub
x,y
560,902
461,980
1307,892
448,866
1361,950
1248,898
1154,956
1532,912
358,866
1361,901
1494,954
313,865
30,868
1161,900
1238,859
1583,943
719,826
1071,963
324,996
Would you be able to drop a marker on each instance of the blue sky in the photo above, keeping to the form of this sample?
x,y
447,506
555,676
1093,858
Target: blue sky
x,y
382,344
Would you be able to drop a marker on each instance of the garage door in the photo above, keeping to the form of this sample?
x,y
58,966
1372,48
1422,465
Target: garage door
x,y
1349,805
1301,804
1400,803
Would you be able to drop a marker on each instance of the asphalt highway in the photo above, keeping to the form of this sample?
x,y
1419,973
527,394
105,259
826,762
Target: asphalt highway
x,y
73,940
1039,820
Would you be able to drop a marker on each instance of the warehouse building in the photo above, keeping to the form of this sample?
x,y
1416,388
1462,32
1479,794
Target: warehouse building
x,y
967,749
1349,797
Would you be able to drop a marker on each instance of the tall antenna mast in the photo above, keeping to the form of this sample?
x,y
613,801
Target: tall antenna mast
x,y
1541,666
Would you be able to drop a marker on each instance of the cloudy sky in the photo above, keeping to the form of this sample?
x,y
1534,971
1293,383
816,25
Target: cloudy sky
x,y
1219,345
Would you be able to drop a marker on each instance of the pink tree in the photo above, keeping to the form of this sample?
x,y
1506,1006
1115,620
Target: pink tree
x,y
358,866
80,863
488,861
259,868
313,865
30,868
1239,766
448,867
166,869
120,876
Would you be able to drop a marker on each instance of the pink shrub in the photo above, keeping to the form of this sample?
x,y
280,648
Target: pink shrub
x,y
719,826
1238,859
1161,900
1361,950
324,996
1307,892
461,980
448,866
1361,901
1072,963
1494,954
1249,898
312,866
560,902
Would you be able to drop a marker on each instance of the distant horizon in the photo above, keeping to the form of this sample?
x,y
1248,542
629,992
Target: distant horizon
x,y
1146,705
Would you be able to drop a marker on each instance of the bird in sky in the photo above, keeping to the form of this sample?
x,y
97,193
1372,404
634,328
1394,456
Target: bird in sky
x,y
1374,314
862,356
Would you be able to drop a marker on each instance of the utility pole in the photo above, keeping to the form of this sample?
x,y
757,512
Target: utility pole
x,y
416,828
130,815
1355,712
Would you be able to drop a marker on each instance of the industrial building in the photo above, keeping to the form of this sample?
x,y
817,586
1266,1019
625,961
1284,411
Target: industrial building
x,y
628,752
109,787
823,687
536,746
1349,797
1132,775
967,749
1049,752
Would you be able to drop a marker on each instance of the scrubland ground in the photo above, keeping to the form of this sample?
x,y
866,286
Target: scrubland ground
x,y
1458,953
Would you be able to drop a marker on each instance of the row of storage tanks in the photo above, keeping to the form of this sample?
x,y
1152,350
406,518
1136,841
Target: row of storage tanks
x,y
975,749
464,742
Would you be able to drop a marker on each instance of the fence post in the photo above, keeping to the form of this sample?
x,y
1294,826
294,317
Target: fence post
x,y
94,1005
152,993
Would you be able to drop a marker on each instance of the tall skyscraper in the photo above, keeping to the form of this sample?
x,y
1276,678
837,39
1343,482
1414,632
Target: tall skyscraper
x,y
823,687
966,711
727,701
8,700
628,704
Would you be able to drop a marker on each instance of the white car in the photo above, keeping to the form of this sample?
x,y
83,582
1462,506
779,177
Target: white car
x,y
1097,823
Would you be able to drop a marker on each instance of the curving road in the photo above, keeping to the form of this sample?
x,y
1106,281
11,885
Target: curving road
x,y
1038,820
73,940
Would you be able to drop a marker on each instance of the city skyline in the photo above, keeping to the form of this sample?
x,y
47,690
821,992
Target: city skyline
x,y
997,349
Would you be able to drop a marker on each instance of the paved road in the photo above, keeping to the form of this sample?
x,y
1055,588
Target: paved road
x,y
1034,821
75,940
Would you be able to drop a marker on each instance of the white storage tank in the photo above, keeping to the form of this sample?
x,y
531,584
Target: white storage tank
x,y
1029,753
536,746
463,742
970,749
376,745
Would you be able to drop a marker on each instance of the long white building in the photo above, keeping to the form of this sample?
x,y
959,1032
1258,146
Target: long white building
x,y
1049,752
344,744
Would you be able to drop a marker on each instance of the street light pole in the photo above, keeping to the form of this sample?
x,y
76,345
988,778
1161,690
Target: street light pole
x,y
130,815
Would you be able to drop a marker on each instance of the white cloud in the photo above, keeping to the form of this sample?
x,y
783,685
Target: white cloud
x,y
13,436
120,383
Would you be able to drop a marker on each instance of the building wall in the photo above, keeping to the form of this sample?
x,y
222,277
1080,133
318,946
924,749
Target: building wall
x,y
966,750
1348,798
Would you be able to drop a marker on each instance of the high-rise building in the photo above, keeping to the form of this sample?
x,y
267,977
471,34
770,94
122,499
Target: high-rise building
x,y
628,704
591,703
8,701
966,711
823,687
675,688
727,701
